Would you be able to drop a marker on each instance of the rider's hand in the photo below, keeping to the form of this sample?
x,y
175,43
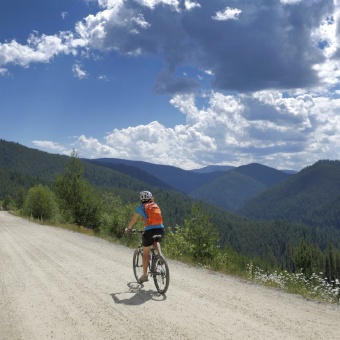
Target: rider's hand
x,y
128,230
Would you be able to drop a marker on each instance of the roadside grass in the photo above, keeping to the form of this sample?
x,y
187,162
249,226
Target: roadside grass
x,y
70,227
315,287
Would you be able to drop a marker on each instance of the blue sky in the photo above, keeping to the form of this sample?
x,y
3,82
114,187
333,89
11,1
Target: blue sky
x,y
187,83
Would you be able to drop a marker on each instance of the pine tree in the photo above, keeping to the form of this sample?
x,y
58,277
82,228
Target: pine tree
x,y
78,201
331,276
289,258
337,266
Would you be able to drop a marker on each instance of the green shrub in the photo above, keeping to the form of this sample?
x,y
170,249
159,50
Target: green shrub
x,y
41,203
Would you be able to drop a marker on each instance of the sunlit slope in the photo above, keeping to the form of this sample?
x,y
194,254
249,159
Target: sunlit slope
x,y
311,194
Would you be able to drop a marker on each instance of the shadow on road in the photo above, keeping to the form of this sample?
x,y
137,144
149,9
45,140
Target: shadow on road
x,y
136,295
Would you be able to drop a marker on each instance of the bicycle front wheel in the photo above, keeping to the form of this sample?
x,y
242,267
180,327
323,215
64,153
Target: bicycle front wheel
x,y
138,264
161,274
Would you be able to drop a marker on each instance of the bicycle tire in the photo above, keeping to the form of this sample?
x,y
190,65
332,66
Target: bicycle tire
x,y
161,274
138,264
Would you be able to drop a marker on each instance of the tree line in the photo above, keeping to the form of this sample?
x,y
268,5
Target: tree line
x,y
71,199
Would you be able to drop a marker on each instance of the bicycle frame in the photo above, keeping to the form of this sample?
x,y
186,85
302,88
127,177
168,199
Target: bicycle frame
x,y
158,266
154,250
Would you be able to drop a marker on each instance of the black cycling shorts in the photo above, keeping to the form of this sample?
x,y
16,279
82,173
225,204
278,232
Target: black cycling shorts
x,y
147,239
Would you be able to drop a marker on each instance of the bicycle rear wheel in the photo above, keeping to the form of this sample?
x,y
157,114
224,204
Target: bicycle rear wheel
x,y
138,264
161,274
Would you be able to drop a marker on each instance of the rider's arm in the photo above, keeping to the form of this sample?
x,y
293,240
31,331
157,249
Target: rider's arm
x,y
133,220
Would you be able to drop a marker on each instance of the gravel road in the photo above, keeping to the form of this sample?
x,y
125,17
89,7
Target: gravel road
x,y
57,284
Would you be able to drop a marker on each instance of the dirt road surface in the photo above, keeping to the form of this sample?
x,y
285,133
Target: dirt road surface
x,y
57,284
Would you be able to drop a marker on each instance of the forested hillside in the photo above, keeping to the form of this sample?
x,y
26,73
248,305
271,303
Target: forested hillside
x,y
230,191
239,185
22,165
213,168
132,171
312,197
271,240
31,162
262,174
21,168
182,180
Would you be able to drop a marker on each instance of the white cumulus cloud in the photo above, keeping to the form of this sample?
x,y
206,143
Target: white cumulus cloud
x,y
264,127
227,14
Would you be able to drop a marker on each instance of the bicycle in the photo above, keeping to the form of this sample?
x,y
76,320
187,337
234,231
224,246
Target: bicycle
x,y
158,266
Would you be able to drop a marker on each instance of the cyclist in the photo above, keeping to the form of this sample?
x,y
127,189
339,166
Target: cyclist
x,y
153,225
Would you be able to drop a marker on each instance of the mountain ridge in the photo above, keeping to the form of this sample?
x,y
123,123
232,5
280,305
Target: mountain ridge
x,y
250,236
300,196
182,180
255,191
214,186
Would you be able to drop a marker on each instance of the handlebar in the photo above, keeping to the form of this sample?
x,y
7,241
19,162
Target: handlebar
x,y
134,231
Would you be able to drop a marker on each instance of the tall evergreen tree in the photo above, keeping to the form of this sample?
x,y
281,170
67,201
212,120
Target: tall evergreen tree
x,y
289,258
79,203
200,235
337,266
9,203
331,275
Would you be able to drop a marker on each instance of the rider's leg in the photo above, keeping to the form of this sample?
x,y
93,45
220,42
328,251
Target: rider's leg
x,y
146,254
157,245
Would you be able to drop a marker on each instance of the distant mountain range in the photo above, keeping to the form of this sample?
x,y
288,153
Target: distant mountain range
x,y
254,190
182,180
253,206
212,168
312,196
225,186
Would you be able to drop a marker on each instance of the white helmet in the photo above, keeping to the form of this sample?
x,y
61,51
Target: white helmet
x,y
145,195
